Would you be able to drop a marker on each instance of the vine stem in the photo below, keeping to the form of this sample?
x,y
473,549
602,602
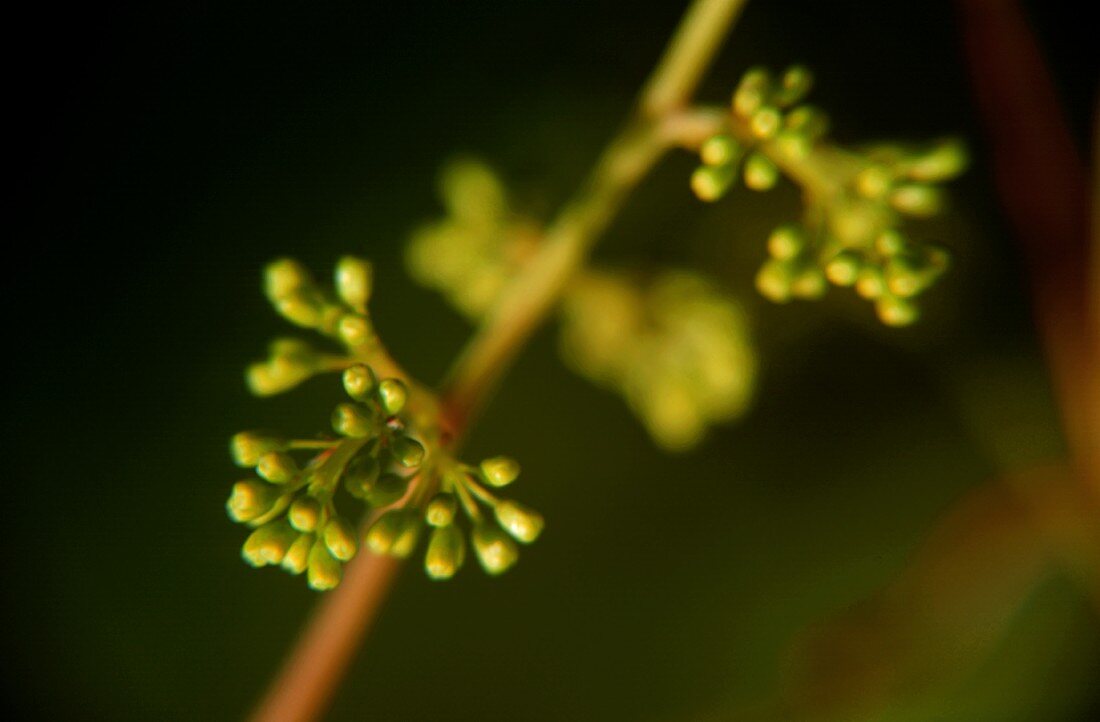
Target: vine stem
x,y
313,670
626,160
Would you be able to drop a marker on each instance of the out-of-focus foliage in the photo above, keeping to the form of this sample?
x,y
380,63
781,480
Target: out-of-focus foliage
x,y
676,348
473,251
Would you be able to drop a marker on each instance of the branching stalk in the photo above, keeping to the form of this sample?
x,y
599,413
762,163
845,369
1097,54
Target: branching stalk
x,y
312,672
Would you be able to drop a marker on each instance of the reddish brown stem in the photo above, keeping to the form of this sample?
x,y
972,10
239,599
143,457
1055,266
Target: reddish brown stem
x,y
316,667
1043,187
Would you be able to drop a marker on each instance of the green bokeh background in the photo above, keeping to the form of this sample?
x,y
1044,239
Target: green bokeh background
x,y
174,149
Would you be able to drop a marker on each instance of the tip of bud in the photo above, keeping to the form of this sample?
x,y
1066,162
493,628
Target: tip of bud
x,y
709,183
285,277
340,539
499,470
407,452
521,522
441,510
352,420
760,173
392,396
495,550
277,467
359,381
304,513
395,532
773,281
354,281
325,571
446,553
894,311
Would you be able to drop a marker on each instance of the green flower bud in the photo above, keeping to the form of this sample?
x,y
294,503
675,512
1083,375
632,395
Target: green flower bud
x,y
395,532
285,277
277,467
325,571
773,280
521,522
304,513
392,396
269,543
495,550
250,499
331,316
709,182
353,420
869,283
289,363
873,182
354,280
407,451
807,121
751,92
472,192
894,311
905,277
355,330
446,552
786,242
843,268
792,145
359,381
296,558
890,243
340,538
760,173
388,489
917,200
268,379
809,282
943,162
794,85
765,122
248,446
719,150
441,510
499,470
361,473
301,309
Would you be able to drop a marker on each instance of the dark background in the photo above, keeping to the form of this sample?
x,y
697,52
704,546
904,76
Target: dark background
x,y
164,153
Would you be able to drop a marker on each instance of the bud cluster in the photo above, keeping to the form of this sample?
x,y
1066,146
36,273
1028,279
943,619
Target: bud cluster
x,y
292,506
298,298
762,112
856,200
891,271
471,253
461,486
379,456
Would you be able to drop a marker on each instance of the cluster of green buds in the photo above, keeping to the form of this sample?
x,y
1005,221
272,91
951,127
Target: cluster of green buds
x,y
856,200
891,271
471,253
342,316
676,348
385,456
493,536
764,119
292,505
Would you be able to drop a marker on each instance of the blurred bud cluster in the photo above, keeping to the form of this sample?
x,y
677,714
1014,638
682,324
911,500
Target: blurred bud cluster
x,y
676,348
